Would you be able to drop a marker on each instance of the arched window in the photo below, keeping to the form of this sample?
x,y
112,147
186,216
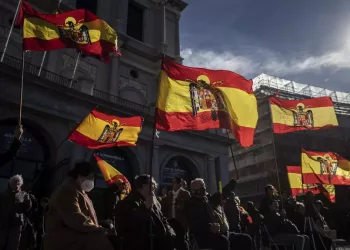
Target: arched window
x,y
178,167
29,160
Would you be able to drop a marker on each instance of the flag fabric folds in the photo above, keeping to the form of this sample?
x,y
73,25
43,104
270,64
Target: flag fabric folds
x,y
307,114
110,174
99,130
325,168
79,29
200,99
297,187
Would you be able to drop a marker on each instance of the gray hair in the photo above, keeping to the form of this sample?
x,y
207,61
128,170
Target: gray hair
x,y
18,178
198,180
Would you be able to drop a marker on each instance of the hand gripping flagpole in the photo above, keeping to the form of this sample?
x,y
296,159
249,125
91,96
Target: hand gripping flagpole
x,y
75,69
11,29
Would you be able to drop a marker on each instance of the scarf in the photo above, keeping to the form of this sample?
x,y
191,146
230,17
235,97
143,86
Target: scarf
x,y
91,209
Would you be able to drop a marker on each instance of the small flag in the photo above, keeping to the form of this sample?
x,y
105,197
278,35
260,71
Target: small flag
x,y
199,99
80,29
307,114
111,175
325,168
99,130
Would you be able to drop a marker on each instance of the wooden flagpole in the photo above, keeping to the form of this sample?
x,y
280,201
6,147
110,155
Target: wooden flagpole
x,y
75,69
11,29
233,158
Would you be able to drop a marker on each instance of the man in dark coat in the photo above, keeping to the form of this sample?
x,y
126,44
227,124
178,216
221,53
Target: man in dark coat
x,y
173,206
138,213
14,203
233,213
270,195
12,152
208,221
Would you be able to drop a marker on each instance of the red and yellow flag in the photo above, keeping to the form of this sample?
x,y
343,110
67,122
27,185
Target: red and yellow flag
x,y
111,175
79,29
325,168
200,99
297,187
99,130
307,114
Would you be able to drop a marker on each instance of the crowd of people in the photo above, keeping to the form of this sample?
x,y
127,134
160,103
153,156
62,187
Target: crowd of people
x,y
178,219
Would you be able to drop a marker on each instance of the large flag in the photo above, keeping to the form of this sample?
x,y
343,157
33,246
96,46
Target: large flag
x,y
110,174
200,99
297,187
325,168
79,29
307,114
99,130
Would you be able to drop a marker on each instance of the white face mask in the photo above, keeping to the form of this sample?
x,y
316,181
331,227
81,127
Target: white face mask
x,y
87,185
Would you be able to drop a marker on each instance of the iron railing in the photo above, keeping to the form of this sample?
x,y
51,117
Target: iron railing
x,y
66,82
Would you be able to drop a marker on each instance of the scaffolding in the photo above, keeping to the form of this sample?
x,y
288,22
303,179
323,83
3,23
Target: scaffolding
x,y
264,85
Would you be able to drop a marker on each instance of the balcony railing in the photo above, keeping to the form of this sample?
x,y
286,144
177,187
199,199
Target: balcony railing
x,y
66,82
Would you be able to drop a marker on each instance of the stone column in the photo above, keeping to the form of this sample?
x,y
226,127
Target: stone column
x,y
122,16
177,44
211,184
163,44
114,76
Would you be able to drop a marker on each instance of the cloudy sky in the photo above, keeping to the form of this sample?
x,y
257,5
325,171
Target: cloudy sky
x,y
307,41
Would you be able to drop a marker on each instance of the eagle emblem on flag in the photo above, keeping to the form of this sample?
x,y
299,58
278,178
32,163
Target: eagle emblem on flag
x,y
110,133
328,165
74,31
303,118
205,97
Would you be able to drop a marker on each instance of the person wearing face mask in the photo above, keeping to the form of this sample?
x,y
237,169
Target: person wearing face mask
x,y
137,213
71,221
208,222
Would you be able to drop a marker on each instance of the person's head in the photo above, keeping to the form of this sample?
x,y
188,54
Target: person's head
x,y
176,183
319,205
16,182
118,186
198,188
273,205
270,190
84,175
250,206
44,202
309,197
184,184
143,184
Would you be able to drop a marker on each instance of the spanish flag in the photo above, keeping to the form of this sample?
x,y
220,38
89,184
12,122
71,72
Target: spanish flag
x,y
307,114
297,187
325,168
111,175
200,99
99,130
79,29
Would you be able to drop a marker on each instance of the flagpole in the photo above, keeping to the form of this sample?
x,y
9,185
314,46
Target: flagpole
x,y
21,91
75,69
275,155
11,29
233,159
42,63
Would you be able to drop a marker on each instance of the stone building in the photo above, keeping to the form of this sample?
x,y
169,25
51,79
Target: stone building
x,y
257,166
53,105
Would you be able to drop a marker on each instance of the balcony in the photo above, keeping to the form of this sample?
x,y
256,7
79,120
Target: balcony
x,y
65,82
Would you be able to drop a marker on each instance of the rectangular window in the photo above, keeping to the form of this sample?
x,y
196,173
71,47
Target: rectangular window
x,y
135,21
87,4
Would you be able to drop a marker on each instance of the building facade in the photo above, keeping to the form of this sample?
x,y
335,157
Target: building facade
x,y
53,105
257,165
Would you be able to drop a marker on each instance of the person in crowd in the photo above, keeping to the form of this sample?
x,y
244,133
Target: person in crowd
x,y
326,213
232,211
255,229
71,221
282,230
270,195
173,206
29,230
184,184
140,221
13,204
40,223
12,152
112,197
298,217
208,222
